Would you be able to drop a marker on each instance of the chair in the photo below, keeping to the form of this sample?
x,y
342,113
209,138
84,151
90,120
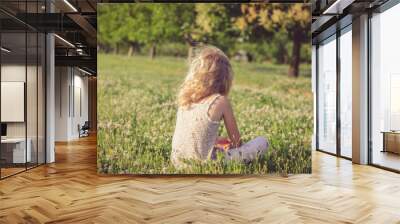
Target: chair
x,y
84,130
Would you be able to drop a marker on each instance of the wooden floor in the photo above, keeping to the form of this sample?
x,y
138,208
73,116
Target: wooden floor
x,y
70,191
10,171
387,159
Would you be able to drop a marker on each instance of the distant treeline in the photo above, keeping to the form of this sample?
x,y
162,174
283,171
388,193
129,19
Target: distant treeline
x,y
279,33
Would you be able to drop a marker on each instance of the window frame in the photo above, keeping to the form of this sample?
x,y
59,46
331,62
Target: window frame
x,y
27,29
380,9
339,28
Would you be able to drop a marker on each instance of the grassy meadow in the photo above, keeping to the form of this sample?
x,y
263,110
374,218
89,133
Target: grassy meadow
x,y
136,116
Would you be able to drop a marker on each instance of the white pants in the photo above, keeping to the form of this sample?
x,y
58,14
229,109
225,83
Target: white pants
x,y
248,151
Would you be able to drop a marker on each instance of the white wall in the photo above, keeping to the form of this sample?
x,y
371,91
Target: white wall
x,y
33,126
13,101
79,117
70,83
12,73
62,82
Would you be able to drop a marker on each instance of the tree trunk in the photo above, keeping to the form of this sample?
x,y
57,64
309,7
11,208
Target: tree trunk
x,y
133,48
281,54
295,60
116,49
191,44
130,51
153,51
136,48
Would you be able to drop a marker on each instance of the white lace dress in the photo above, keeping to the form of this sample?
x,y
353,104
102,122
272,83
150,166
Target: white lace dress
x,y
195,136
195,133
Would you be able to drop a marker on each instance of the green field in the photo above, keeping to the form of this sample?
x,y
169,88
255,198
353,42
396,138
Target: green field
x,y
136,115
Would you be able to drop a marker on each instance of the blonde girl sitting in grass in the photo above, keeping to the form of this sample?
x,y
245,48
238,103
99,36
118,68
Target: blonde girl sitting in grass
x,y
203,102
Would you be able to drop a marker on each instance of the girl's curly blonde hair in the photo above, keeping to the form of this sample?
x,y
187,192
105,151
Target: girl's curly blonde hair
x,y
210,72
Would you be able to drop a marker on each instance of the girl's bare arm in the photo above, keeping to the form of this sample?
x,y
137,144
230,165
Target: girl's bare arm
x,y
230,122
223,109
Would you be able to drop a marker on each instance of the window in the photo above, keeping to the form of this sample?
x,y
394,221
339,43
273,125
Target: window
x,y
327,95
385,88
346,92
22,77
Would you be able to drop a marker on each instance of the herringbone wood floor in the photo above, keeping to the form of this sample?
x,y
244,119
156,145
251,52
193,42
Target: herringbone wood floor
x,y
70,191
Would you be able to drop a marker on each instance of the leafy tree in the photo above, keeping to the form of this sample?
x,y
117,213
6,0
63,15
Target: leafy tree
x,y
133,17
186,15
160,24
292,19
268,31
110,21
214,23
137,24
